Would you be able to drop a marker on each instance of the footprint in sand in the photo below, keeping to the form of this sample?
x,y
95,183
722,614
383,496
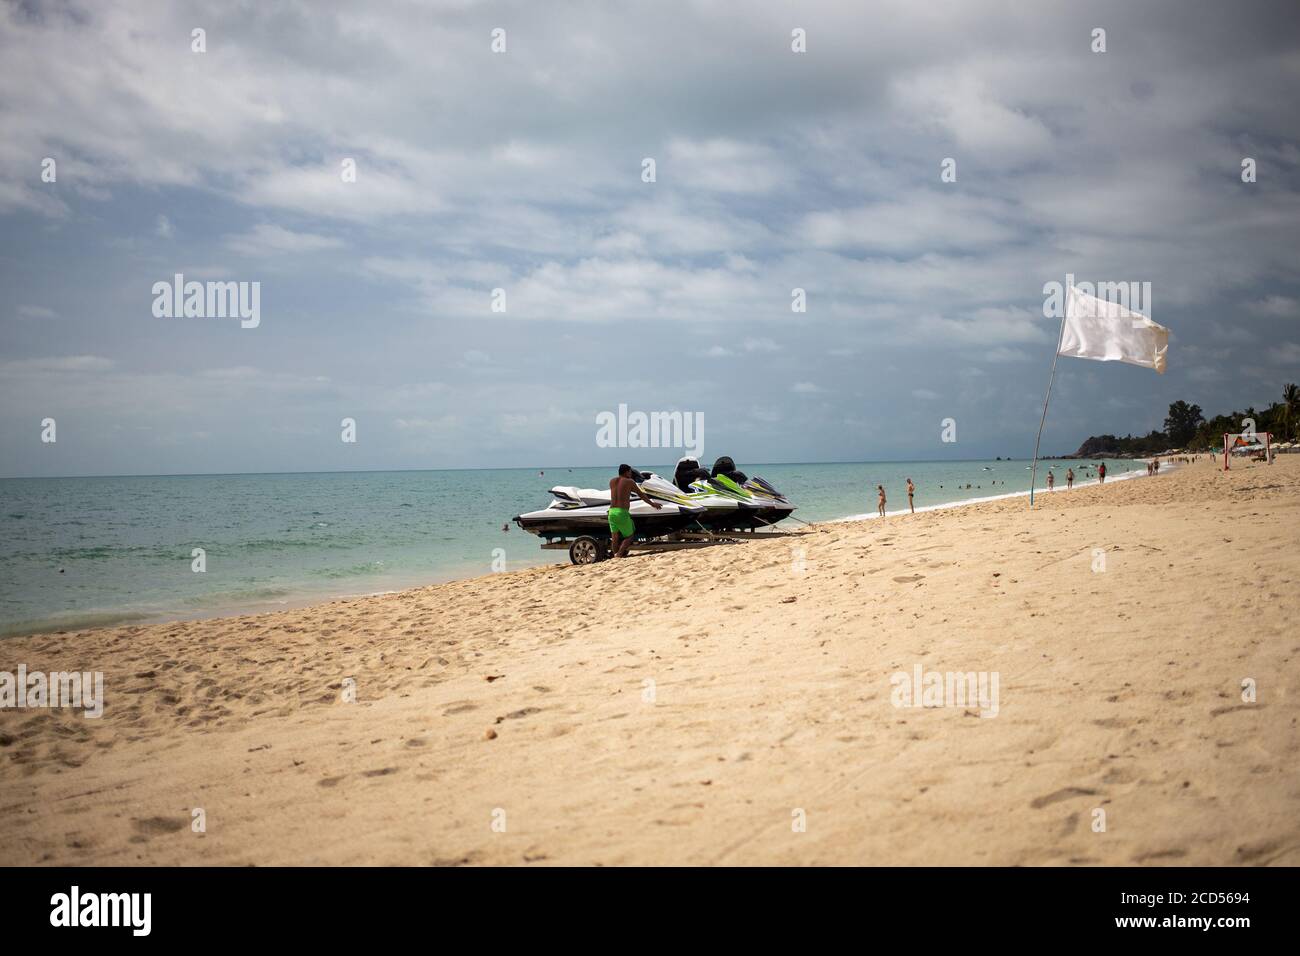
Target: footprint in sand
x,y
1112,723
1063,794
1255,851
1159,855
154,826
1219,711
517,714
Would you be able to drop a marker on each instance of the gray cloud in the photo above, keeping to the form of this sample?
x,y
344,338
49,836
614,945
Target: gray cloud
x,y
522,171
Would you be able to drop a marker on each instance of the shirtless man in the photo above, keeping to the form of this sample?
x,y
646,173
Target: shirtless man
x,y
621,527
911,490
1069,478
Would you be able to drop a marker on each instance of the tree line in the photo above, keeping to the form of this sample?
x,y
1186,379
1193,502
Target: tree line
x,y
1186,427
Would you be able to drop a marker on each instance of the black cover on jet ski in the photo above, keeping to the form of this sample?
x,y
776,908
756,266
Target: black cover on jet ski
x,y
688,470
725,466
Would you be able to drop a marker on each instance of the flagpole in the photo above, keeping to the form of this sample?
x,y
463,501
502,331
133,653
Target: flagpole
x,y
1065,308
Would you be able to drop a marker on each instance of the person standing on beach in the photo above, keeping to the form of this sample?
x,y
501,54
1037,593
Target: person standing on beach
x,y
911,490
1051,479
1069,478
621,527
1101,473
880,499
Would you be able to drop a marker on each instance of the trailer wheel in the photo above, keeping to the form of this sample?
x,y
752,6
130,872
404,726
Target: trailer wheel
x,y
587,550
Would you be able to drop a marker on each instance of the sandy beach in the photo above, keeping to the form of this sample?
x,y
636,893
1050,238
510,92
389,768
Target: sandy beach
x,y
726,706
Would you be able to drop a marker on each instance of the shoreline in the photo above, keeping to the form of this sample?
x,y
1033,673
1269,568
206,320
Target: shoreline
x,y
108,618
88,620
872,516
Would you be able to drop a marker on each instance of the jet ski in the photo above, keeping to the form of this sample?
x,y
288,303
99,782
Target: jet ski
x,y
766,505
759,504
688,471
726,467
722,512
585,511
714,503
725,508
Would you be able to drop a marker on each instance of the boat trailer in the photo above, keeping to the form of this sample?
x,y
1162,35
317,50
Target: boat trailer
x,y
590,548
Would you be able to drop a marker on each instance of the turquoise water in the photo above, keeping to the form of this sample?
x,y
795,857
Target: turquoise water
x,y
80,552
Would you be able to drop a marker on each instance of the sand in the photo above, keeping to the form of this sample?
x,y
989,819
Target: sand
x,y
724,706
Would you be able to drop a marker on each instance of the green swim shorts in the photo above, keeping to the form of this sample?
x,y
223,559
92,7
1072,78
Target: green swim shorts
x,y
620,522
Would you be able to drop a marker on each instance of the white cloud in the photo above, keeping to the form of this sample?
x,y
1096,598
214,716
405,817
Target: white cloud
x,y
268,239
926,221
57,365
723,165
958,100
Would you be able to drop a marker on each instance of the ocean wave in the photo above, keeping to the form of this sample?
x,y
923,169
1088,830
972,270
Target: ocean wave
x,y
69,621
287,544
236,596
355,570
102,552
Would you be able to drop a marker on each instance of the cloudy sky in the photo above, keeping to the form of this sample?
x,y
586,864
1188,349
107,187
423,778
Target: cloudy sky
x,y
522,171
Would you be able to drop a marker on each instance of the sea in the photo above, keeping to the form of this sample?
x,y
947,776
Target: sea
x,y
89,552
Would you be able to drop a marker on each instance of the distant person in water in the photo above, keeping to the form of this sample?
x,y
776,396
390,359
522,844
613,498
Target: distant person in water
x,y
1051,480
505,527
1101,473
1069,478
911,490
880,499
621,527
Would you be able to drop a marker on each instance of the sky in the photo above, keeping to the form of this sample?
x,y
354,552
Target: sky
x,y
524,171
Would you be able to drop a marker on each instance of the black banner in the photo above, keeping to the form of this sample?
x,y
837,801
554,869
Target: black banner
x,y
951,907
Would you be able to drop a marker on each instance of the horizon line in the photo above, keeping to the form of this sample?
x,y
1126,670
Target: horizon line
x,y
380,471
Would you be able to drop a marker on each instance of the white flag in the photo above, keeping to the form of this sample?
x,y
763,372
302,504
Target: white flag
x,y
1108,332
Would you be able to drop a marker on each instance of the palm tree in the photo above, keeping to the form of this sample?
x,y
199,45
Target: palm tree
x,y
1290,405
